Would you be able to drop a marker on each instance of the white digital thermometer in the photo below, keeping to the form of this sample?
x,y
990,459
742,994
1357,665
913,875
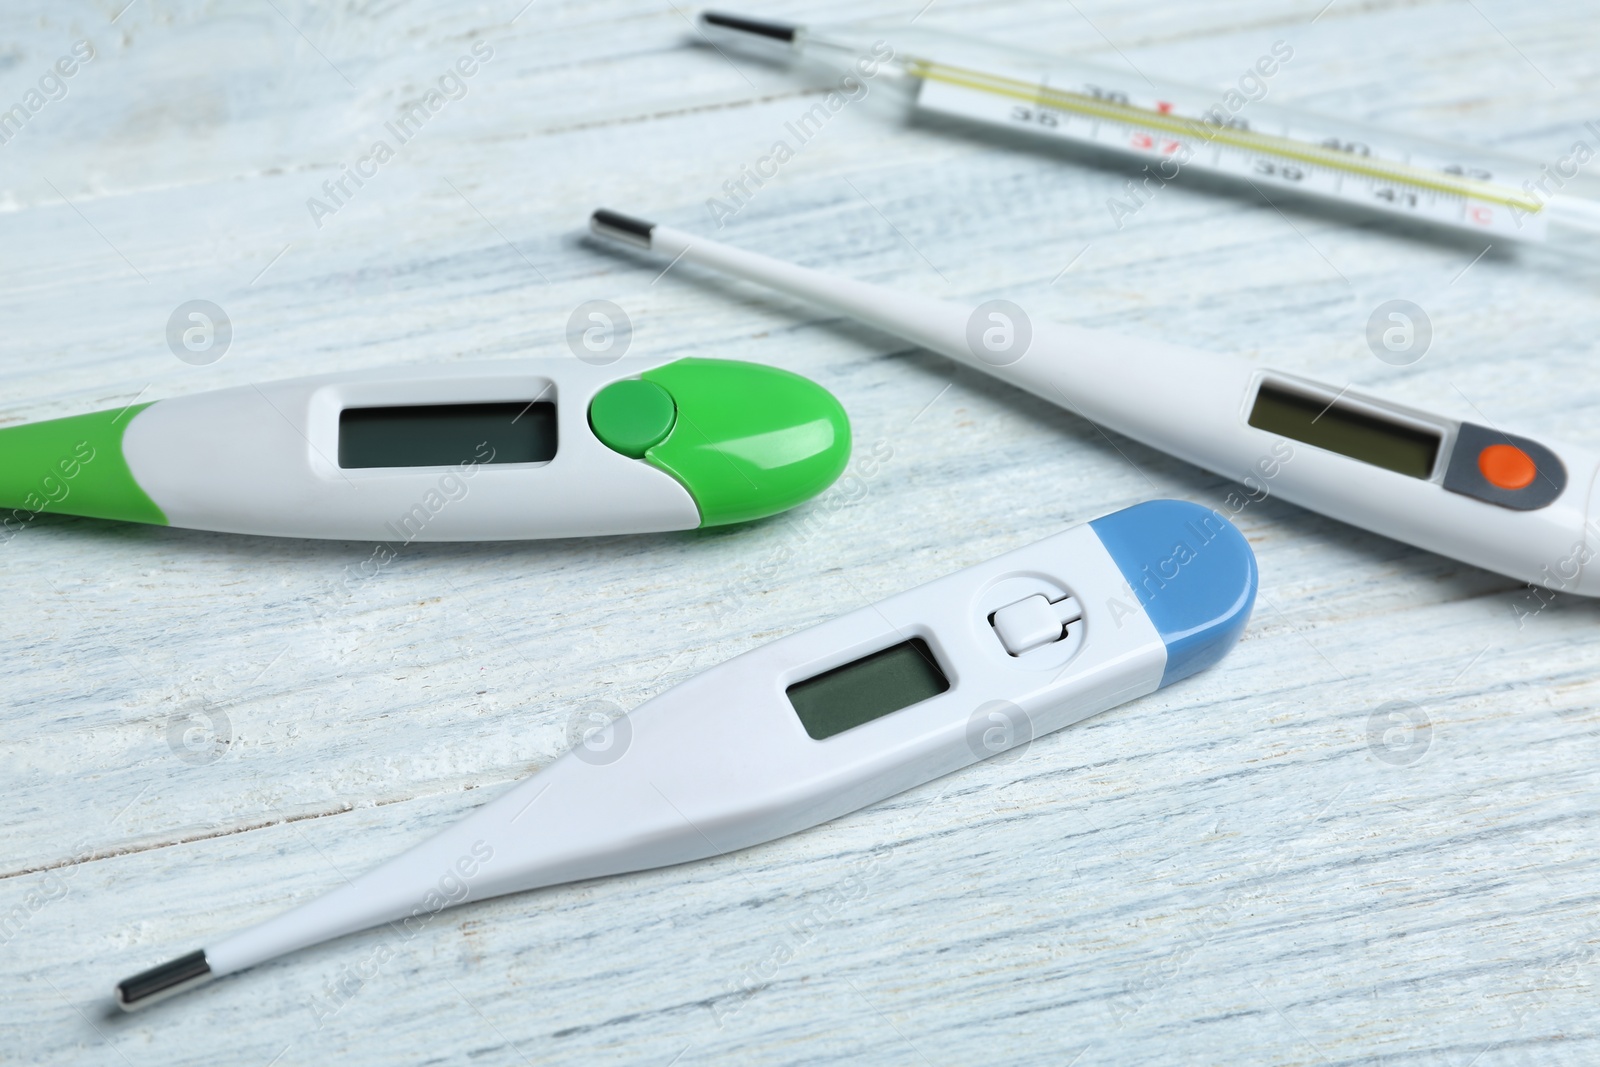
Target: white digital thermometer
x,y
818,724
515,449
1505,502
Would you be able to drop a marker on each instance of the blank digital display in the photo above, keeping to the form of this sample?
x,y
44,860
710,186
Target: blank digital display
x,y
868,688
444,435
1346,430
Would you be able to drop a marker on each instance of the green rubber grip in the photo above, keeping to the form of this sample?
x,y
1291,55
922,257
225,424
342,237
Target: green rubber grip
x,y
74,466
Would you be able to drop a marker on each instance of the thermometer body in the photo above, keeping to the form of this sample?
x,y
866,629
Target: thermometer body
x,y
1505,502
1227,132
461,452
821,723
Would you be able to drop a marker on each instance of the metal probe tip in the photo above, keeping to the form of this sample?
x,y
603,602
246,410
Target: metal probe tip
x,y
159,983
621,227
777,31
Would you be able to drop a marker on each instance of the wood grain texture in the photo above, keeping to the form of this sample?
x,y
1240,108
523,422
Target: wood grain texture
x,y
1222,872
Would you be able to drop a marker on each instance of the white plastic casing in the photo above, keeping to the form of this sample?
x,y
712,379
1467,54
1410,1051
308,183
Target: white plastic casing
x,y
1194,404
723,761
264,460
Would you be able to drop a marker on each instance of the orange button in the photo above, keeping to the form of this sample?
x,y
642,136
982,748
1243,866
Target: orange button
x,y
1507,467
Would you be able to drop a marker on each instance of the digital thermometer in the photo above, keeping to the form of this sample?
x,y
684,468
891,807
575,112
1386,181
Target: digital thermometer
x,y
818,724
1502,501
551,447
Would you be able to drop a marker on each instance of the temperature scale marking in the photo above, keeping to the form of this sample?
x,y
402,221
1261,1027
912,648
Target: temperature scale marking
x,y
1465,201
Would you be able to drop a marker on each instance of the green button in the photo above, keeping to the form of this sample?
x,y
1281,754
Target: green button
x,y
632,416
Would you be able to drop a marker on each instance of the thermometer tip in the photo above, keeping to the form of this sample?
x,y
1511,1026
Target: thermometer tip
x,y
621,227
159,983
722,20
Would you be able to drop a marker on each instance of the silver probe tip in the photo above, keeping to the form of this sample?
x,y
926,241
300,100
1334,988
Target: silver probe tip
x,y
159,983
621,227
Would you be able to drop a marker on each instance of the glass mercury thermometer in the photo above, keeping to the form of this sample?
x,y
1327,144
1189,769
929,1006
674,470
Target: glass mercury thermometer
x,y
1178,127
1508,503
502,450
818,724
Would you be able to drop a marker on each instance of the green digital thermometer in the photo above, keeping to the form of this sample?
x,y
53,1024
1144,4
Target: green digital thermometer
x,y
464,452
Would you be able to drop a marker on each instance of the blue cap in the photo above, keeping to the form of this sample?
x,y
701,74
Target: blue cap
x,y
1194,575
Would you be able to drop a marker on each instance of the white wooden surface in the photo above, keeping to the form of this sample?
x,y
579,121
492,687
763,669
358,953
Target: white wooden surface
x,y
1225,872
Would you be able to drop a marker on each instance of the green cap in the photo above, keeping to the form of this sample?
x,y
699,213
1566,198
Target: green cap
x,y
74,466
746,440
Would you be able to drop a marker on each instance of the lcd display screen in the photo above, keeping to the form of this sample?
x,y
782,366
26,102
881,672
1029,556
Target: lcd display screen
x,y
1345,429
868,688
444,435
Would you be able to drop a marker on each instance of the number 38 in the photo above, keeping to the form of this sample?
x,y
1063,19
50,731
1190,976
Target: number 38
x,y
1035,116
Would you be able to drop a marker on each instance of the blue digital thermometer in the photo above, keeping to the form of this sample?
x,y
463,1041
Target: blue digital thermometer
x,y
818,724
